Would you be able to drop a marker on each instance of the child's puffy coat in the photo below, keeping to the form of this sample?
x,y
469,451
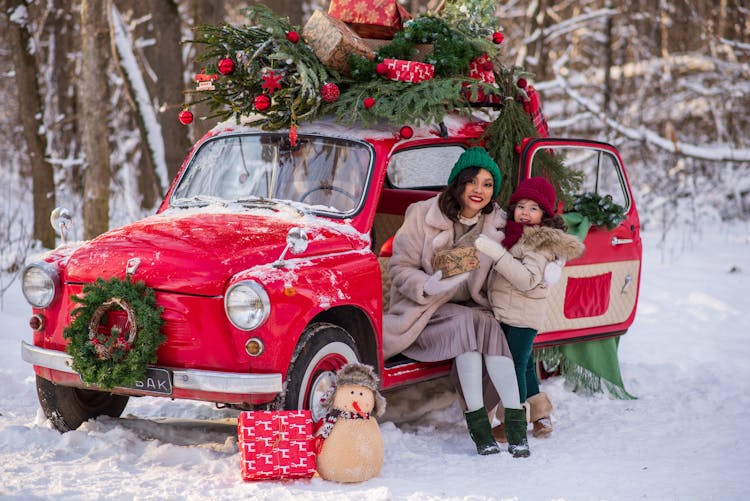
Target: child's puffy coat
x,y
517,290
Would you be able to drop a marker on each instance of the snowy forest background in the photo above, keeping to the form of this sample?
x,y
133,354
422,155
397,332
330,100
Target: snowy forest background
x,y
91,90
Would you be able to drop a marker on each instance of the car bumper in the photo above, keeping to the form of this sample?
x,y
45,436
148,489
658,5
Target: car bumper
x,y
185,379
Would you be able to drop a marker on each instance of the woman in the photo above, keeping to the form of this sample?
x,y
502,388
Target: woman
x,y
433,318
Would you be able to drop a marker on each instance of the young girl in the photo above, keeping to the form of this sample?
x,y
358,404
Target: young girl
x,y
527,264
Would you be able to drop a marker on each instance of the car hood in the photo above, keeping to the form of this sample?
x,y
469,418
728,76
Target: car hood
x,y
196,253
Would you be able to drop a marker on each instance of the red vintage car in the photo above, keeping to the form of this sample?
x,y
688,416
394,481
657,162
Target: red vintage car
x,y
269,261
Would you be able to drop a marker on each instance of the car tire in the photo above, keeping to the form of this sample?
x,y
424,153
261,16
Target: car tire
x,y
322,351
67,408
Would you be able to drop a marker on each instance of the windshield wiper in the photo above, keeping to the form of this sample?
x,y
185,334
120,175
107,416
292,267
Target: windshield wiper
x,y
198,201
272,203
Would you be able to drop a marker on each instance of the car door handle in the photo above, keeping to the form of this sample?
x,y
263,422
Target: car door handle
x,y
628,280
620,241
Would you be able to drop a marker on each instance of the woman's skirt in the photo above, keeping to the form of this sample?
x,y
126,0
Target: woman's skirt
x,y
459,328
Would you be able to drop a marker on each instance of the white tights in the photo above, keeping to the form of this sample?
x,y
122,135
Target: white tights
x,y
502,374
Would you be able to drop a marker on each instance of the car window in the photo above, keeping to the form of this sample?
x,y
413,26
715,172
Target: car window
x,y
327,174
423,167
601,172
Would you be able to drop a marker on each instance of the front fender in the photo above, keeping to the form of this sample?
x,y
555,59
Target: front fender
x,y
302,289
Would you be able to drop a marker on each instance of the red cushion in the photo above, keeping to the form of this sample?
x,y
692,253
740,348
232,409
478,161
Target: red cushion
x,y
386,250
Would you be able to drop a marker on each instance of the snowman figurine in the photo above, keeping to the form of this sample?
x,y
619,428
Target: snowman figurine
x,y
351,446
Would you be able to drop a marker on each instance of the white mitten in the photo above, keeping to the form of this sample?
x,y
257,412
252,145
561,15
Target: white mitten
x,y
489,247
553,272
436,284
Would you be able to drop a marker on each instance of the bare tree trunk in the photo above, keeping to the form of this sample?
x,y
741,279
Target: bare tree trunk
x,y
288,8
203,12
63,135
30,111
170,83
609,59
95,117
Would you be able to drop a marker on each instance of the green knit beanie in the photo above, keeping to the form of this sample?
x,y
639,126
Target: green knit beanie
x,y
477,156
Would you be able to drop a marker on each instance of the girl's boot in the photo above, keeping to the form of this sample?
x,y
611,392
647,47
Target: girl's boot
x,y
481,432
541,409
515,429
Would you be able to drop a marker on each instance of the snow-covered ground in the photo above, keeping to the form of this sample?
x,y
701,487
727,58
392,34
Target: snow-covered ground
x,y
686,437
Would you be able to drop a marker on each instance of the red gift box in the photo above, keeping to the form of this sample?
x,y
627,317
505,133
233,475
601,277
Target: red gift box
x,y
275,445
408,71
371,18
477,69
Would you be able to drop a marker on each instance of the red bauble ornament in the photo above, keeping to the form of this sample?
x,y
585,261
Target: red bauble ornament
x,y
292,36
226,66
381,68
498,37
487,66
262,102
522,83
185,117
329,92
368,102
406,132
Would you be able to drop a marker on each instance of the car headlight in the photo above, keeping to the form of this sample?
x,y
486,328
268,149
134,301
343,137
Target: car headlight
x,y
246,304
40,284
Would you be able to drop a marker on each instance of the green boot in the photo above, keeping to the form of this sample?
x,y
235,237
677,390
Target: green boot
x,y
515,428
481,432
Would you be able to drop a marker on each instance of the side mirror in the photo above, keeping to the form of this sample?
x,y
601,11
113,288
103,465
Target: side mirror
x,y
296,240
61,221
296,243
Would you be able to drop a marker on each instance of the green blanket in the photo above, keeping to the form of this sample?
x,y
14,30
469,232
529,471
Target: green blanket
x,y
590,365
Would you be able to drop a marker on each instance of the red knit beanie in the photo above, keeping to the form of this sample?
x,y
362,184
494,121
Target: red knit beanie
x,y
537,189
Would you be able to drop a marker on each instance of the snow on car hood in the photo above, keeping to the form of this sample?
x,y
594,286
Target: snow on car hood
x,y
196,253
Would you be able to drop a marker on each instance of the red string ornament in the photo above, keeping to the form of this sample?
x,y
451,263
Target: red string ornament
x,y
185,117
329,92
292,36
226,66
262,102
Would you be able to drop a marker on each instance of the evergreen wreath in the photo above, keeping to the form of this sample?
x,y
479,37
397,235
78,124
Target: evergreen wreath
x,y
116,358
600,210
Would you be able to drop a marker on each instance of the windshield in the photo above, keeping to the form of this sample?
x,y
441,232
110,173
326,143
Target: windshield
x,y
325,174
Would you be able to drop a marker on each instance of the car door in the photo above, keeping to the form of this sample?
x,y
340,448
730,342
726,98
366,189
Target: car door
x,y
598,292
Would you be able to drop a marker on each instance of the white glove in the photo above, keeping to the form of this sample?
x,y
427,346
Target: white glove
x,y
553,272
436,284
489,247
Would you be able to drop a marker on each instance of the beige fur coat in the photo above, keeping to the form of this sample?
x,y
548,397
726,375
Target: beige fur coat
x,y
517,289
425,231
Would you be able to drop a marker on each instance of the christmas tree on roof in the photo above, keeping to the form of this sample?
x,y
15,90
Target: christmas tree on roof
x,y
275,75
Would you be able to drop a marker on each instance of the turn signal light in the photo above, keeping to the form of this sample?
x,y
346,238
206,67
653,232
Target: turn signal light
x,y
254,347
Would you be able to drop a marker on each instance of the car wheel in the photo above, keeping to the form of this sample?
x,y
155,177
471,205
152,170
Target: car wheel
x,y
324,349
67,408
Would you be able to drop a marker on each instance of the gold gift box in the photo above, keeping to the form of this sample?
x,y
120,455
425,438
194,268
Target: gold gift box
x,y
456,260
332,41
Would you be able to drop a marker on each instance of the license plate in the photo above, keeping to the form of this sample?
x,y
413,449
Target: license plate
x,y
156,381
